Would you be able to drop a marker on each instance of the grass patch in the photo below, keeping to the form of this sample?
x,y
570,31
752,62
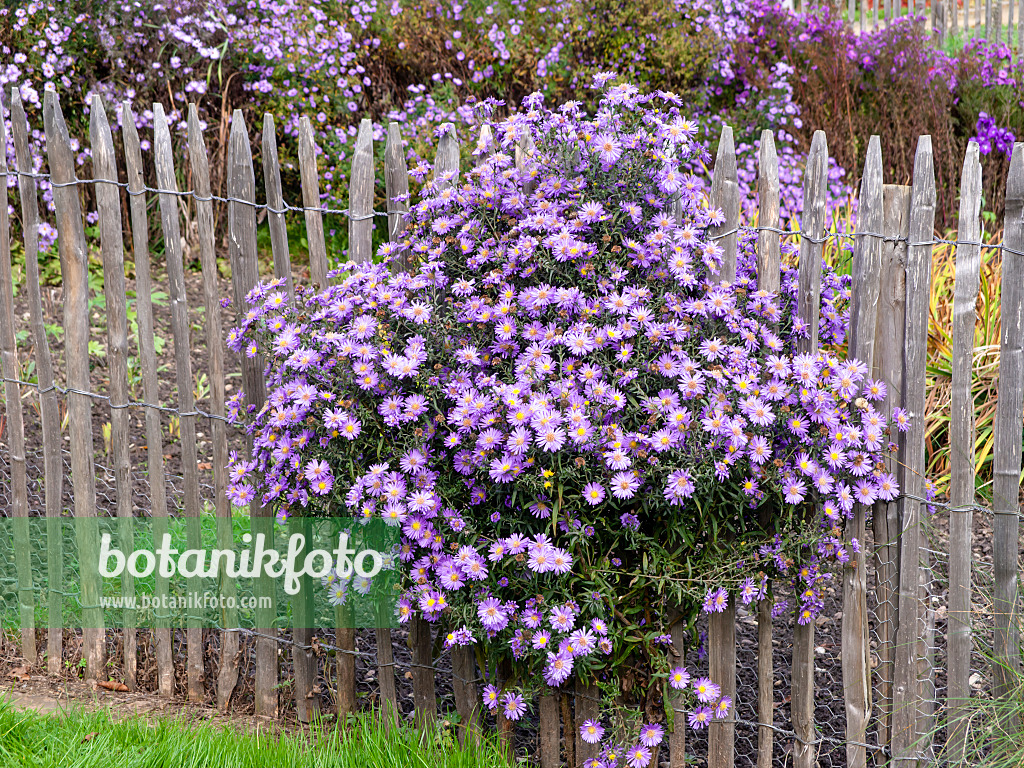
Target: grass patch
x,y
80,739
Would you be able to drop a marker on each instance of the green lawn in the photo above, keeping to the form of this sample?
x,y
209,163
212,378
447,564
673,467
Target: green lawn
x,y
80,739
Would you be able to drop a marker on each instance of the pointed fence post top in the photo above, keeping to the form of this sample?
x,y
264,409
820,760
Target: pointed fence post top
x,y
924,194
447,160
725,196
239,132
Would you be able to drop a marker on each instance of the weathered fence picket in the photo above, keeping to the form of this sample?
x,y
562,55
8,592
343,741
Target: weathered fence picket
x,y
812,230
725,195
49,409
75,275
1007,451
108,205
867,263
11,371
241,185
549,753
307,703
396,187
169,218
144,289
360,196
227,676
311,203
304,661
911,457
467,701
961,453
769,264
677,735
889,342
275,205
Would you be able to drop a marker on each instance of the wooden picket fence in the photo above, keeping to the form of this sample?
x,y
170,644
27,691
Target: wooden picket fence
x,y
995,20
890,693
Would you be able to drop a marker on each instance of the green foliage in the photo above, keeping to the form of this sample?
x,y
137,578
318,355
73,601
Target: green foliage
x,y
98,740
646,41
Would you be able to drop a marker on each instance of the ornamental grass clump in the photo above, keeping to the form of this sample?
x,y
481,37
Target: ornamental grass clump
x,y
577,426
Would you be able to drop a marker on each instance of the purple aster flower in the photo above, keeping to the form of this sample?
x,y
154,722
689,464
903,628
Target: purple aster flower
x,y
722,707
562,618
625,485
513,706
651,735
716,600
591,731
678,678
492,614
705,690
490,697
638,756
593,493
558,669
700,717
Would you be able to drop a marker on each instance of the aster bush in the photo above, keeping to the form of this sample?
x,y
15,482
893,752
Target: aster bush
x,y
574,422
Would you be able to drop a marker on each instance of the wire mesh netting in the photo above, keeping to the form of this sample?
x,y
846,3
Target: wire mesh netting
x,y
830,715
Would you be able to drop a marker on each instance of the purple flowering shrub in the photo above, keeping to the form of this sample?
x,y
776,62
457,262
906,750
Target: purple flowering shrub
x,y
574,423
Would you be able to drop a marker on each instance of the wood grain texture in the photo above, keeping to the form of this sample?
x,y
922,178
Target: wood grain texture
x,y
275,204
911,460
241,185
144,289
345,662
722,669
765,684
769,261
108,206
588,707
569,724
310,178
889,349
423,693
769,253
812,230
360,196
548,731
49,410
396,189
1007,452
166,179
889,335
725,196
227,675
10,367
74,260
961,448
467,700
386,673
304,662
863,314
446,162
